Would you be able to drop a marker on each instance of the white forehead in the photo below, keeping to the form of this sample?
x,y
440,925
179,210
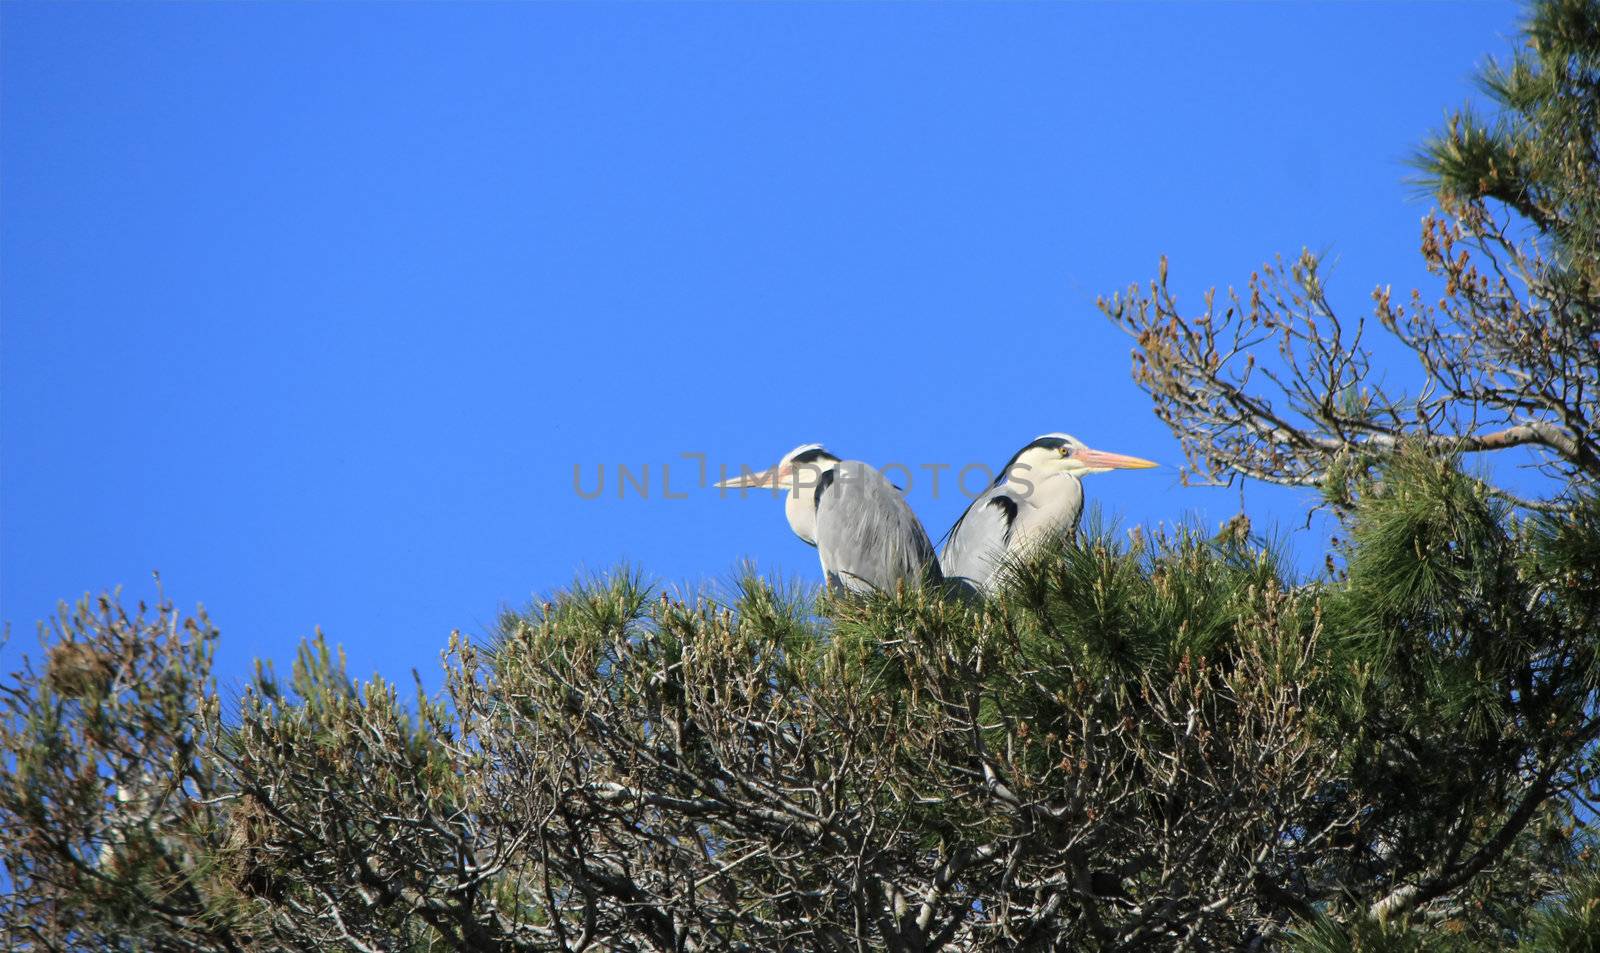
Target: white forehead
x,y
801,449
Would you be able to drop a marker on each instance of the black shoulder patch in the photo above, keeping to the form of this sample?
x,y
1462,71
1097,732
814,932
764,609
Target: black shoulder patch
x,y
823,482
1008,506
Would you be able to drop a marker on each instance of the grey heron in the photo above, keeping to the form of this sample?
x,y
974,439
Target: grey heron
x,y
1036,497
865,533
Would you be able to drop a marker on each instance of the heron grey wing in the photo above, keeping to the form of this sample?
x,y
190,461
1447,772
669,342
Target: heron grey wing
x,y
867,535
979,540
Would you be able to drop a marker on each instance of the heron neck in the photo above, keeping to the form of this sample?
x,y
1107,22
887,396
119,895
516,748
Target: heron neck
x,y
800,503
1052,505
801,509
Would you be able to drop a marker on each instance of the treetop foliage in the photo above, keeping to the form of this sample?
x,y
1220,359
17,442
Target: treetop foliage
x,y
1142,743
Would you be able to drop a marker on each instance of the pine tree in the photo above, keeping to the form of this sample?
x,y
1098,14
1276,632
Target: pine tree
x,y
1510,349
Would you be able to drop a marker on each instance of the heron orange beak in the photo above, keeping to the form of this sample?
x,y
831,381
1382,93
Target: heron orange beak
x,y
770,477
1102,460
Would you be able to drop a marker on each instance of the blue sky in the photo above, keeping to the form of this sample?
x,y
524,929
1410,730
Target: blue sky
x,y
314,308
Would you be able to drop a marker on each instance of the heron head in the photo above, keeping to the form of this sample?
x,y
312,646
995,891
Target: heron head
x,y
1064,453
799,469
